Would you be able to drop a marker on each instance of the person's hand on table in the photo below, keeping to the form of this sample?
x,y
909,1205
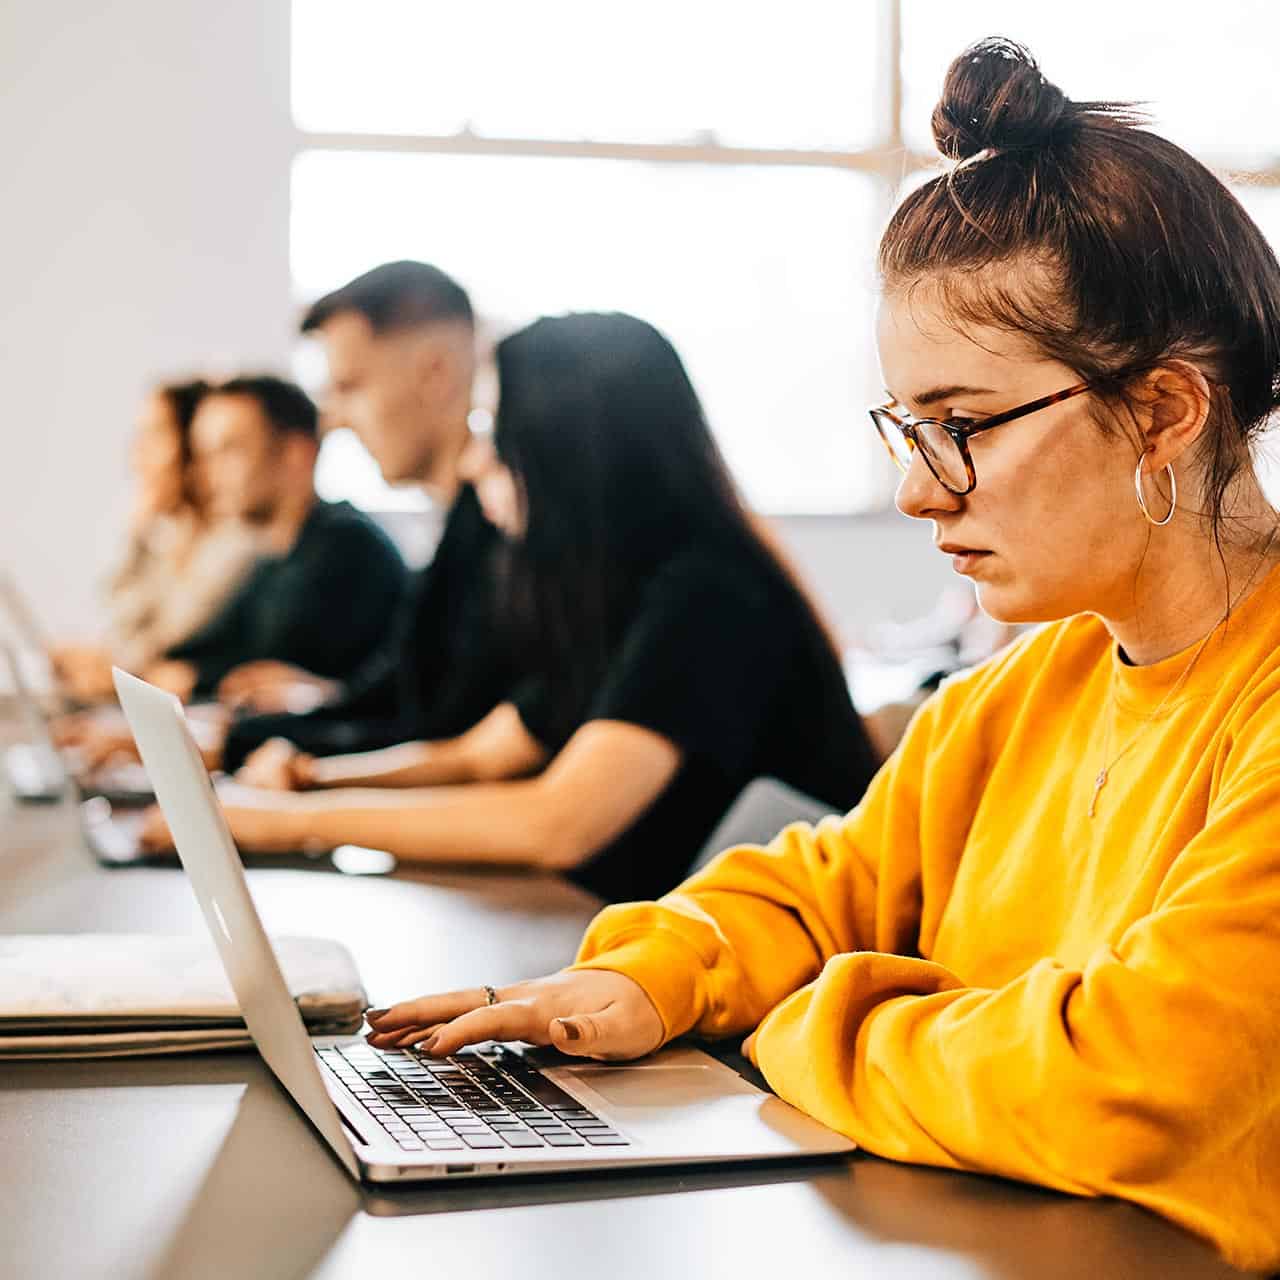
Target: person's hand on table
x,y
260,822
70,730
83,672
278,765
591,1013
154,835
270,686
90,744
172,676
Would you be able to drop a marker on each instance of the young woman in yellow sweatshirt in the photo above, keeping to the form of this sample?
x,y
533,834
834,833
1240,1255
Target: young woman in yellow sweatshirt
x,y
1046,944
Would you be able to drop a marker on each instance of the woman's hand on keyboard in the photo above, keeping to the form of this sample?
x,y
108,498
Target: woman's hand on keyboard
x,y
591,1013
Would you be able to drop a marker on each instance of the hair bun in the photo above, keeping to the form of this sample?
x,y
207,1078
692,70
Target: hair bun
x,y
995,97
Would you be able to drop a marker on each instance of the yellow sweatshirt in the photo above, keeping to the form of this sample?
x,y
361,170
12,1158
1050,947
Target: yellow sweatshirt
x,y
970,971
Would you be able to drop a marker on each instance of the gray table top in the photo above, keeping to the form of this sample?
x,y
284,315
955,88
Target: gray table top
x,y
201,1166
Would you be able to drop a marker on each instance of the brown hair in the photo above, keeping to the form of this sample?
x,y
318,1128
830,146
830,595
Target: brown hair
x,y
182,400
1139,253
396,295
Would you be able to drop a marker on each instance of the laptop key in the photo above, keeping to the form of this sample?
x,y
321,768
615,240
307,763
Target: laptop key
x,y
446,1144
561,1139
523,1138
551,1096
482,1141
606,1140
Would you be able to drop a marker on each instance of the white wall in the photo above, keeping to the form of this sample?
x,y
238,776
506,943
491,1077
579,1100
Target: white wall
x,y
868,568
143,232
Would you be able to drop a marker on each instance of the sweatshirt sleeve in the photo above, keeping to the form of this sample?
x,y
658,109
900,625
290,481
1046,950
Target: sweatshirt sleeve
x,y
1145,1074
759,922
1149,1071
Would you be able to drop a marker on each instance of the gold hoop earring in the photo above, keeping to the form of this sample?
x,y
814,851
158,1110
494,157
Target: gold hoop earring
x,y
1142,501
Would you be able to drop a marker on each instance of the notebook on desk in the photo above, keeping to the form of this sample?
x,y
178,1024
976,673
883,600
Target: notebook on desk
x,y
400,1116
116,995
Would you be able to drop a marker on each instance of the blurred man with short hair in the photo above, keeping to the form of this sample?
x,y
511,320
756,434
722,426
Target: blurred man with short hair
x,y
325,594
401,349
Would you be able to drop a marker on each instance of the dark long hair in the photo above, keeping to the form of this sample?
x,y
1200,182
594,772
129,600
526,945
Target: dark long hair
x,y
183,399
619,473
1139,253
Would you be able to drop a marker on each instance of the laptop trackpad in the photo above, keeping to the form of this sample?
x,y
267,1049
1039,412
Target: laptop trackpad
x,y
660,1086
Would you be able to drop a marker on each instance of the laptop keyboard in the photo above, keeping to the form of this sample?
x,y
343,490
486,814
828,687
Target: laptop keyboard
x,y
484,1102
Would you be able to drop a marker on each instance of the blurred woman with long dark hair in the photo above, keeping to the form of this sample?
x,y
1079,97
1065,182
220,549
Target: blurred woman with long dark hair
x,y
670,656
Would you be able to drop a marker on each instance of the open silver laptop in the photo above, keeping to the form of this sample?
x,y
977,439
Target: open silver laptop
x,y
33,645
21,615
393,1116
33,768
38,772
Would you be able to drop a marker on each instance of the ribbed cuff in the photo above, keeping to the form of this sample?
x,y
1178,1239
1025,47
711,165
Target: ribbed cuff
x,y
668,968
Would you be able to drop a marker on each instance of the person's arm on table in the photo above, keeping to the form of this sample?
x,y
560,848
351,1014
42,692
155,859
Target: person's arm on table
x,y
603,779
1147,1072
497,749
269,685
83,671
174,675
1137,1074
1144,1073
720,950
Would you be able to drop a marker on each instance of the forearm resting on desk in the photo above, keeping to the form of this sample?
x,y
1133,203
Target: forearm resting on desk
x,y
492,823
497,748
605,777
410,764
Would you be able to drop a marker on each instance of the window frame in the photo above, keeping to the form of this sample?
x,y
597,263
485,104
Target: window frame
x,y
888,161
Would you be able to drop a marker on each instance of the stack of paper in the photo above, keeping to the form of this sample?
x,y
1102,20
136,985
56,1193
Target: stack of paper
x,y
94,995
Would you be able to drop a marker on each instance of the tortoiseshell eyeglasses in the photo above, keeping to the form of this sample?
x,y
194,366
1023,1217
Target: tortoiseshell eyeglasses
x,y
944,446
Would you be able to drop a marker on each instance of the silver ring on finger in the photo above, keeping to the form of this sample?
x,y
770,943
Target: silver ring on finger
x,y
490,995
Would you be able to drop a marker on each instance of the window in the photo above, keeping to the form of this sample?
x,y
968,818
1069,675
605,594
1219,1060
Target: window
x,y
721,169
1204,74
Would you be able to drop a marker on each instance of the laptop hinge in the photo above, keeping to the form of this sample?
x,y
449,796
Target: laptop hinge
x,y
342,1115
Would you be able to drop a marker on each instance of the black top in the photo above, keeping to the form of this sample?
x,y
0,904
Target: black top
x,y
441,672
326,605
728,664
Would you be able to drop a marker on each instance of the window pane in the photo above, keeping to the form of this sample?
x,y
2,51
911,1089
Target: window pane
x,y
1263,204
1206,74
761,276
753,74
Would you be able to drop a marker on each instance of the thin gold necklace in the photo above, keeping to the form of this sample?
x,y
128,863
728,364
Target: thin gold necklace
x,y
1104,773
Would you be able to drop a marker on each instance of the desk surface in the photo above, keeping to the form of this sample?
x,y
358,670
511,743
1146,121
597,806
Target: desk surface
x,y
202,1167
